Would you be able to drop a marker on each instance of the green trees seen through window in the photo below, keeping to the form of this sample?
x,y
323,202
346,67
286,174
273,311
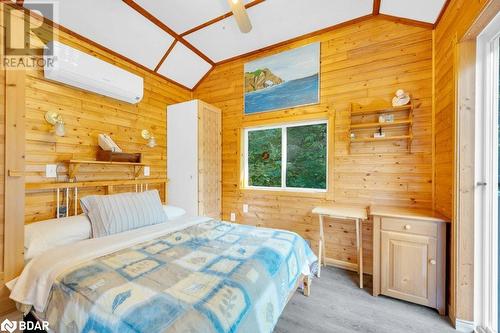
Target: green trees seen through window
x,y
264,158
306,156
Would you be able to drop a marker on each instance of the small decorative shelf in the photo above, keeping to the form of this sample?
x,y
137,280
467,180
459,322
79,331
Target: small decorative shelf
x,y
364,123
377,125
74,165
359,111
385,138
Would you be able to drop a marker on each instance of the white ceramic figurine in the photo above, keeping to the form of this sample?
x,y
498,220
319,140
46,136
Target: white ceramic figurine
x,y
401,98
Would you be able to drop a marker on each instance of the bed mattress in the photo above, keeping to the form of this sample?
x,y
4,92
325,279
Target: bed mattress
x,y
200,275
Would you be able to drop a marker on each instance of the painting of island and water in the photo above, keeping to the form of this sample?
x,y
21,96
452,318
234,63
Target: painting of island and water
x,y
283,80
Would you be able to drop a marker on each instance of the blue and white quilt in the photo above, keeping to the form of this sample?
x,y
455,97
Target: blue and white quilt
x,y
210,277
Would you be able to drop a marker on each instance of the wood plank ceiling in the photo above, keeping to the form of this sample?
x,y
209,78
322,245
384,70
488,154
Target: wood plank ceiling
x,y
183,41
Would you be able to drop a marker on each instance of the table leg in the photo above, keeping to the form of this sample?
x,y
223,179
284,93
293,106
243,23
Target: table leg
x,y
359,247
324,246
321,245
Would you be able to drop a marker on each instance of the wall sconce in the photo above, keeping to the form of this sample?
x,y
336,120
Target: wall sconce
x,y
147,135
55,119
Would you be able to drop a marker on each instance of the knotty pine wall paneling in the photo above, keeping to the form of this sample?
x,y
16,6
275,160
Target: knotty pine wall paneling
x,y
86,115
459,16
360,63
452,72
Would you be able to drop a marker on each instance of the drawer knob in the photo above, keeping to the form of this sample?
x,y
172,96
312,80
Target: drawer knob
x,y
407,227
432,261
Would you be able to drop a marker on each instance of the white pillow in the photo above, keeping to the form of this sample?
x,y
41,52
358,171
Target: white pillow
x,y
44,235
115,213
173,212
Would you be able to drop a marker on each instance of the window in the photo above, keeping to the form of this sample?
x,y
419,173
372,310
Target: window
x,y
292,156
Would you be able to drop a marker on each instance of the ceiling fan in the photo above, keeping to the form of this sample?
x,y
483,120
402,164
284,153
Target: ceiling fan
x,y
240,15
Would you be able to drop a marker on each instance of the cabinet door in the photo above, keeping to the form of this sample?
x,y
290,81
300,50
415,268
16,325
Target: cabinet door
x,y
209,161
408,267
182,156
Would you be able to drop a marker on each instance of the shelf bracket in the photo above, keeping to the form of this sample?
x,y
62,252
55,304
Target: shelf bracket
x,y
73,169
137,171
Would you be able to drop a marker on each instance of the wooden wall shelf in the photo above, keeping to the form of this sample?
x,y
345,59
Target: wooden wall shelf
x,y
365,118
74,166
367,111
377,125
94,183
386,138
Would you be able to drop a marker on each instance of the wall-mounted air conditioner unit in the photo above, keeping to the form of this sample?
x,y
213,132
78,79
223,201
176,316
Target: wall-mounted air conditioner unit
x,y
78,69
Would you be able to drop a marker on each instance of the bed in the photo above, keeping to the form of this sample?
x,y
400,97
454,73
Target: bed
x,y
193,274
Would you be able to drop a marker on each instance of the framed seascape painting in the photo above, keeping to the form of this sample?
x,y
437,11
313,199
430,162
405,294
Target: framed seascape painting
x,y
283,80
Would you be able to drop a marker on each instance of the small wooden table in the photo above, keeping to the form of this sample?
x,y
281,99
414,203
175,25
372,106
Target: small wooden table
x,y
343,212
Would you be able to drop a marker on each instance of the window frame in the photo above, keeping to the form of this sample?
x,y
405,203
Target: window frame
x,y
284,127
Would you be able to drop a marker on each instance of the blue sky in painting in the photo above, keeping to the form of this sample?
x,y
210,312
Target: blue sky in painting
x,y
290,65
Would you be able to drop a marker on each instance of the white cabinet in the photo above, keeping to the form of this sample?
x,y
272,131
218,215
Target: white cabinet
x,y
194,157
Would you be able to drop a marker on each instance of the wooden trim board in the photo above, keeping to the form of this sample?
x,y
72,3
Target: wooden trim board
x,y
14,196
376,7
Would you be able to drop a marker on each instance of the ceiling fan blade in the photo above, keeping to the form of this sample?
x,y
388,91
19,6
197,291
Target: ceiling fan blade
x,y
240,15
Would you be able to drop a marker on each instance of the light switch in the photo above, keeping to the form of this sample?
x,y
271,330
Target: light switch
x,y
147,171
233,217
51,170
245,208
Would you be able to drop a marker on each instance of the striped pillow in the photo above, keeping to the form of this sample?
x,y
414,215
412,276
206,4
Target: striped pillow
x,y
112,214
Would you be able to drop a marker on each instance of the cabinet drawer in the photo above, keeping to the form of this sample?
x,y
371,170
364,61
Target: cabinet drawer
x,y
409,226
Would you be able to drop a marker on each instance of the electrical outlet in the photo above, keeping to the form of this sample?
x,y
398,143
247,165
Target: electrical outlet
x,y
245,208
51,171
233,217
147,171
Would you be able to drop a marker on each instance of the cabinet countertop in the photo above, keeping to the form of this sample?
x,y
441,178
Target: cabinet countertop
x,y
408,213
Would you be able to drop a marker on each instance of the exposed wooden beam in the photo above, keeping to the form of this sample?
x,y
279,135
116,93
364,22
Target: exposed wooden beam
x,y
167,29
220,18
91,42
443,10
376,7
165,55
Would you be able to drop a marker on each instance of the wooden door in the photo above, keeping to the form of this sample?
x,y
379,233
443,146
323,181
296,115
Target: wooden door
x,y
408,267
209,160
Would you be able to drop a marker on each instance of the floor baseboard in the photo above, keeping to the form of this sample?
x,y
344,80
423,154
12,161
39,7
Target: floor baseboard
x,y
464,325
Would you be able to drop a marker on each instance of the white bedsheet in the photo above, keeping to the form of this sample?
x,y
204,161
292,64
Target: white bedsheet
x,y
33,286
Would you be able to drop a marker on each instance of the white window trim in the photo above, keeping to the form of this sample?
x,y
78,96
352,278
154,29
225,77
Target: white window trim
x,y
486,205
283,127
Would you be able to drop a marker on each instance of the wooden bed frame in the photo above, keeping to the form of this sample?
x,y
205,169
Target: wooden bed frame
x,y
110,187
